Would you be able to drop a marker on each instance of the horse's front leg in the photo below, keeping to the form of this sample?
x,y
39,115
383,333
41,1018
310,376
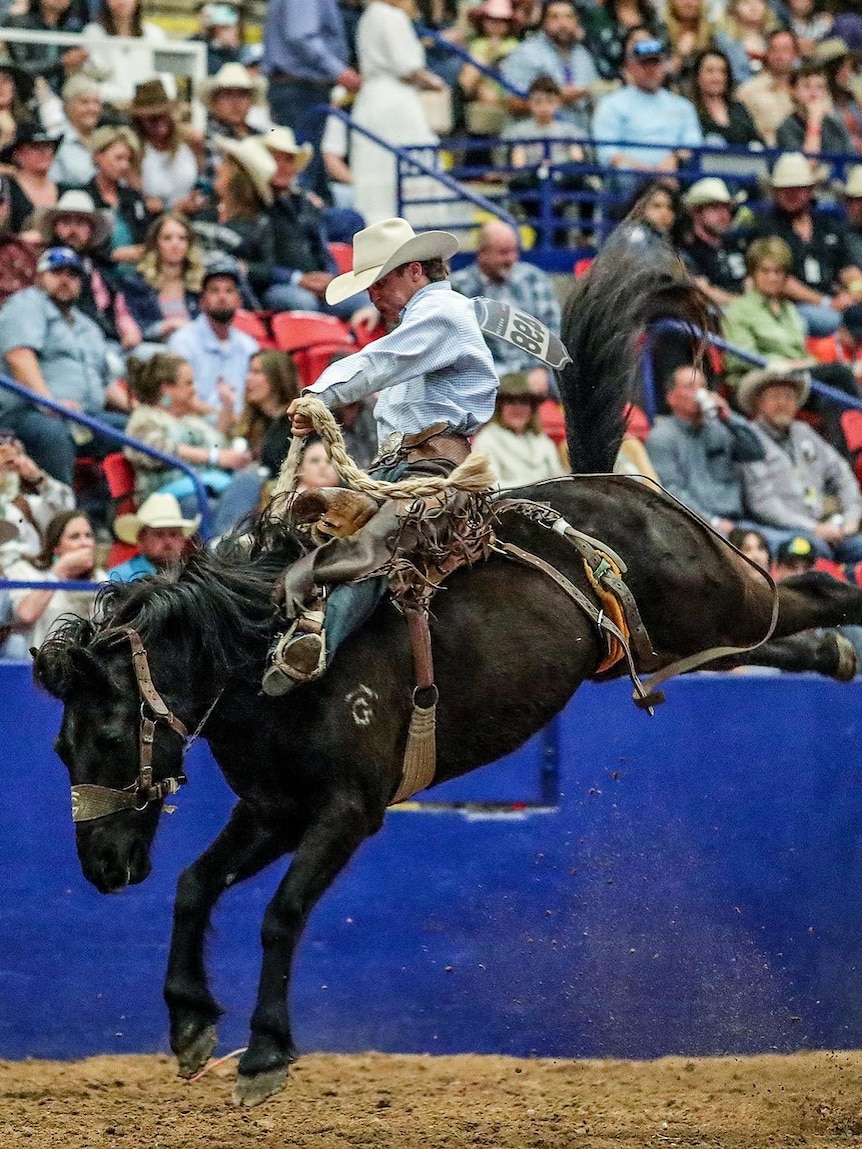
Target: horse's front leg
x,y
243,848
327,845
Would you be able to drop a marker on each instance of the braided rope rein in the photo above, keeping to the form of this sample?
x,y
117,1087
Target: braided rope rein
x,y
474,475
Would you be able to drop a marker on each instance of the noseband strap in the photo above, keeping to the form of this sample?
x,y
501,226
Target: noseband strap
x,y
90,802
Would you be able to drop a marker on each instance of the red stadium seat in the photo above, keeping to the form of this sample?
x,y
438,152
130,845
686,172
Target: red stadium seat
x,y
253,323
120,477
342,253
312,339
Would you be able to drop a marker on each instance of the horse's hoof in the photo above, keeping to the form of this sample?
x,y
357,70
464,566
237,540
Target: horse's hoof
x,y
251,1090
198,1052
848,662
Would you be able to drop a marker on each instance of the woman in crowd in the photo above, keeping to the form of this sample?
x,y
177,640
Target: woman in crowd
x,y
271,385
75,118
519,450
392,64
31,154
163,295
485,112
657,207
119,67
842,76
117,154
243,194
689,33
169,169
752,544
68,553
315,469
723,119
742,36
16,89
763,320
607,25
168,418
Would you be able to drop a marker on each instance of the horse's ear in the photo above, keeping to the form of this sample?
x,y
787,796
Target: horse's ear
x,y
61,669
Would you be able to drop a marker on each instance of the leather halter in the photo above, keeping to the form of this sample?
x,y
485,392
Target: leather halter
x,y
90,802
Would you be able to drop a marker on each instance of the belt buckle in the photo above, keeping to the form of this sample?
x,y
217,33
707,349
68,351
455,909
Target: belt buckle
x,y
392,443
389,449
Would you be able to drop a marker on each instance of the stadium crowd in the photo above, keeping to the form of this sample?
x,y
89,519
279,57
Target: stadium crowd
x,y
157,274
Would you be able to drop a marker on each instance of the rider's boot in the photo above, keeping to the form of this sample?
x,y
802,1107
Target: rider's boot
x,y
299,655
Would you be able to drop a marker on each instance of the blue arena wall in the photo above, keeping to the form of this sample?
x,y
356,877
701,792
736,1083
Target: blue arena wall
x,y
690,884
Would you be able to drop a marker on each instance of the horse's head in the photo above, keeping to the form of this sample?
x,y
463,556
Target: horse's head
x,y
120,742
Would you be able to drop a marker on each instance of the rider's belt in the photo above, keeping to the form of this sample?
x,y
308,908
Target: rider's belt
x,y
439,441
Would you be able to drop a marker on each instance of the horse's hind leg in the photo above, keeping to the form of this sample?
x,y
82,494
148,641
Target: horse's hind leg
x,y
821,651
326,847
242,849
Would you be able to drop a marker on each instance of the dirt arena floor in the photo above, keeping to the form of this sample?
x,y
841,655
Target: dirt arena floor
x,y
375,1100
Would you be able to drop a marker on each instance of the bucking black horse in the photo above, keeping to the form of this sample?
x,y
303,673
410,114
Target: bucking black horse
x,y
314,771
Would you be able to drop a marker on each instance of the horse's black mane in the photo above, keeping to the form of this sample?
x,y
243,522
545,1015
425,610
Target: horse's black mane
x,y
218,606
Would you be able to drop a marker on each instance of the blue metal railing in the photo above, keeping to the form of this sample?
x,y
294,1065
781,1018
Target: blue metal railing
x,y
410,164
650,401
101,428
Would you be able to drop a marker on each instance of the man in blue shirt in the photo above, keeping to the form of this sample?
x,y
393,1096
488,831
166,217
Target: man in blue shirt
x,y
160,532
53,349
644,112
305,52
218,352
437,386
556,50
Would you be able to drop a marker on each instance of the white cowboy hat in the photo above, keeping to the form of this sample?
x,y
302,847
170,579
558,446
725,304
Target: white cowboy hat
x,y
156,511
281,139
711,190
383,246
777,371
233,75
853,186
254,159
793,170
74,202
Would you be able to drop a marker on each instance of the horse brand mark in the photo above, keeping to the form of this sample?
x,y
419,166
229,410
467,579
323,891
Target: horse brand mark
x,y
361,702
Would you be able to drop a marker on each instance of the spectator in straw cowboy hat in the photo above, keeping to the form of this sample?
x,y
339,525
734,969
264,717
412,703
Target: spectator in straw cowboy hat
x,y
786,493
713,257
823,278
229,97
169,170
243,229
519,450
161,534
437,387
74,222
304,266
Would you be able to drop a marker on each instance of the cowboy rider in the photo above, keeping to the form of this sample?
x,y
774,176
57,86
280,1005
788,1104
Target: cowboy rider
x,y
437,386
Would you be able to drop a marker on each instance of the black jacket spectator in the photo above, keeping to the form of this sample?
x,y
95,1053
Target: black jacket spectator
x,y
299,237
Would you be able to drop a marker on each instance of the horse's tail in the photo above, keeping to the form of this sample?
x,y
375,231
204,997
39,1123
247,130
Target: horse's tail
x,y
629,286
